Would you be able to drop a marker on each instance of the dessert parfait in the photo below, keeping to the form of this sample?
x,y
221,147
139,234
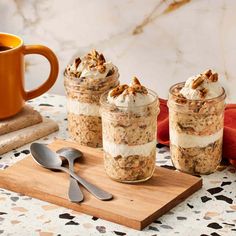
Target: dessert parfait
x,y
85,80
129,120
196,117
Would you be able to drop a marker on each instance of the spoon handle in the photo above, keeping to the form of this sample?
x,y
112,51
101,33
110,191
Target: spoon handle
x,y
97,192
75,194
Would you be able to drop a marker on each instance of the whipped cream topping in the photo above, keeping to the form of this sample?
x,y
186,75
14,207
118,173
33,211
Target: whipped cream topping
x,y
188,140
202,86
93,65
131,100
125,150
130,96
81,108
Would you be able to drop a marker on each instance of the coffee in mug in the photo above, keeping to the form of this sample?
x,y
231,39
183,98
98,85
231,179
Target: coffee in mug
x,y
4,48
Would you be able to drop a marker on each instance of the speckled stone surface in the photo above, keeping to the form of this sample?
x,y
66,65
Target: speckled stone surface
x,y
210,211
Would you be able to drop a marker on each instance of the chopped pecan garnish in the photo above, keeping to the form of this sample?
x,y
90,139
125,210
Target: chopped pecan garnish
x,y
213,77
91,66
77,62
94,53
134,88
203,92
208,73
118,90
101,68
181,99
139,88
96,60
197,82
130,90
101,59
135,81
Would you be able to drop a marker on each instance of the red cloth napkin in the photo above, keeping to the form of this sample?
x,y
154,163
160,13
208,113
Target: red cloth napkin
x,y
229,138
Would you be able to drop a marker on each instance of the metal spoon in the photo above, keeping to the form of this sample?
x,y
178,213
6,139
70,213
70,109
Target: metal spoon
x,y
51,160
74,193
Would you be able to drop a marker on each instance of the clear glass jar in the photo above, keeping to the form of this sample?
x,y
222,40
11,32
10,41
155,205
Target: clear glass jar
x,y
196,132
83,95
129,140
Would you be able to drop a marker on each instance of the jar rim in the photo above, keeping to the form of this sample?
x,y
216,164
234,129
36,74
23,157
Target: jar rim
x,y
105,103
221,96
98,87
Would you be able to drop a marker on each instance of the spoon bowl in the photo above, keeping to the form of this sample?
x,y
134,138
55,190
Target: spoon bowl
x,y
44,156
70,153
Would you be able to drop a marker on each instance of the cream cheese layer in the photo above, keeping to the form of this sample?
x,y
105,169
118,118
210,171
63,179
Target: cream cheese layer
x,y
125,150
189,140
81,108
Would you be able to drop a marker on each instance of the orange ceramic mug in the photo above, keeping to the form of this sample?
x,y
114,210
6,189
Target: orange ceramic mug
x,y
12,92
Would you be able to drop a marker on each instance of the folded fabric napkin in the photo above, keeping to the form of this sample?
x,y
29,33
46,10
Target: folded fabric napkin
x,y
229,138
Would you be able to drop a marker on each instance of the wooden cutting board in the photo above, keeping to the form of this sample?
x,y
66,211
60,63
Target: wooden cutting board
x,y
133,205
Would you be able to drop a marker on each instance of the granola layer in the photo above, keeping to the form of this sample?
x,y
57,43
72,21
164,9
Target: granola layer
x,y
197,160
85,130
191,121
129,129
133,168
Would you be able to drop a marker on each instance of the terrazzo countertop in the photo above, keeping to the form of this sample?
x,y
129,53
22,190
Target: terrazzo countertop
x,y
210,211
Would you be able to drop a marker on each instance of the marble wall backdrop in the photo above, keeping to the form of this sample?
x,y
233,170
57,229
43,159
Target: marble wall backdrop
x,y
160,41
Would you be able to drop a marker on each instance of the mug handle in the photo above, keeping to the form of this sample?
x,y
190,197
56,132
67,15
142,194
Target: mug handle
x,y
54,67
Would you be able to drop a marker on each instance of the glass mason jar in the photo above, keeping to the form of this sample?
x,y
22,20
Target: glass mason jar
x,y
196,132
129,140
83,95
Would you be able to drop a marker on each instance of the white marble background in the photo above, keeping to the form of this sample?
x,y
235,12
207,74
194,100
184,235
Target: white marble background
x,y
160,41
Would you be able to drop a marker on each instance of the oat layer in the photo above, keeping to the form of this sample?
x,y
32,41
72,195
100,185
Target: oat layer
x,y
134,168
85,130
197,160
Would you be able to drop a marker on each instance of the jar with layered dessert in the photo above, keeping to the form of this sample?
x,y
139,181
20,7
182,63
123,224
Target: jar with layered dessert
x,y
129,123
196,120
85,80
